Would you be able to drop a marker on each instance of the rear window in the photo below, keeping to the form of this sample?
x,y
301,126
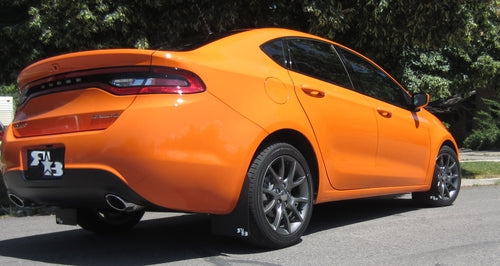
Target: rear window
x,y
193,42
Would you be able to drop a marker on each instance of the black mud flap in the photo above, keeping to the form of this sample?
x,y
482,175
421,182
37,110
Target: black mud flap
x,y
66,216
236,223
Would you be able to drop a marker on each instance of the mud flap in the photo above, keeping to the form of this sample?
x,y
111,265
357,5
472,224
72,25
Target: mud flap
x,y
236,223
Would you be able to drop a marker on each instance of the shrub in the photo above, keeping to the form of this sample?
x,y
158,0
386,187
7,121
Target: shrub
x,y
487,134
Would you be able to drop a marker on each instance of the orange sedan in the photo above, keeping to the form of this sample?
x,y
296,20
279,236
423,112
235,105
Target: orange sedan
x,y
253,127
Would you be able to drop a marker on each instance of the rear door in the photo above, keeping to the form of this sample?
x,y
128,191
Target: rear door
x,y
343,122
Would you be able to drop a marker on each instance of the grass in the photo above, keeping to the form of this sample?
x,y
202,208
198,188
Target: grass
x,y
477,170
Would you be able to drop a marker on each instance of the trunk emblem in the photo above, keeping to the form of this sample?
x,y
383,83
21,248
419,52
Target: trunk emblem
x,y
54,68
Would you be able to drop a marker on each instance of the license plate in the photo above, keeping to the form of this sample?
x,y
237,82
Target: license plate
x,y
45,163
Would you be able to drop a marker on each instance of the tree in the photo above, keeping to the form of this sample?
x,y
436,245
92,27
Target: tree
x,y
443,47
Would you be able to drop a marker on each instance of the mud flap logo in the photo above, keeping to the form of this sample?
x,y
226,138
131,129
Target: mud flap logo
x,y
241,232
44,159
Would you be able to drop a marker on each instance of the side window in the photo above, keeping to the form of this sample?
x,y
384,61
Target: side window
x,y
319,60
370,80
274,49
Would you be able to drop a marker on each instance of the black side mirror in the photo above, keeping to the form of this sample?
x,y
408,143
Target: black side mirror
x,y
420,100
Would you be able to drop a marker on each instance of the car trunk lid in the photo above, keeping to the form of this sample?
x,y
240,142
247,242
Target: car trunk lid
x,y
61,94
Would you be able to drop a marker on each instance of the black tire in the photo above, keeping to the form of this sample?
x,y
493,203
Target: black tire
x,y
445,183
107,222
280,196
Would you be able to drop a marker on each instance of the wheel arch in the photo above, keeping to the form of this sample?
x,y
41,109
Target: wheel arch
x,y
300,142
450,144
237,223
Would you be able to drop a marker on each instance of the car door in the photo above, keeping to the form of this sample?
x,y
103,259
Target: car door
x,y
344,123
403,153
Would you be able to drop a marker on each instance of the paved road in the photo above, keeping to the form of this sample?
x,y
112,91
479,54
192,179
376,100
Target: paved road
x,y
366,232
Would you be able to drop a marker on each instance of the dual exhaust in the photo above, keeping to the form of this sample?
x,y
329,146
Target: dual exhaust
x,y
114,201
119,204
16,200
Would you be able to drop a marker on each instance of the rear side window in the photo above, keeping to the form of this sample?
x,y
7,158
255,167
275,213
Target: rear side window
x,y
372,81
319,60
275,50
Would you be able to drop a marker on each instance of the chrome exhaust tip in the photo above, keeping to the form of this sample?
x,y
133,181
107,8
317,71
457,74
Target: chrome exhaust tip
x,y
119,204
16,200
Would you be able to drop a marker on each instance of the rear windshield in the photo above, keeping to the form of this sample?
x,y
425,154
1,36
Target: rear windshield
x,y
195,41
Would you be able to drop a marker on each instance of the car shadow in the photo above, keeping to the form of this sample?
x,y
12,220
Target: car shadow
x,y
337,214
178,238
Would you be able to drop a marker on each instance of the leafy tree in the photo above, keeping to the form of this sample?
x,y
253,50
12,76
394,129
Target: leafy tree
x,y
443,47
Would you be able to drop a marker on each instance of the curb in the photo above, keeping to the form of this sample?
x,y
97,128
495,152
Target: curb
x,y
480,182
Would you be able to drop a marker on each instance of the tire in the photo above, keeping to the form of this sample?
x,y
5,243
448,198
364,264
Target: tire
x,y
280,196
445,183
107,222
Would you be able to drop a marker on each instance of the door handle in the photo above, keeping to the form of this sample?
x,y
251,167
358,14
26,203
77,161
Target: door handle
x,y
384,113
314,93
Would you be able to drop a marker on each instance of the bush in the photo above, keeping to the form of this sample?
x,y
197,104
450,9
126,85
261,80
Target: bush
x,y
483,139
487,134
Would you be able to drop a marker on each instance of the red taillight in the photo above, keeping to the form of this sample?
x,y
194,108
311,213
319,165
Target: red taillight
x,y
121,81
157,81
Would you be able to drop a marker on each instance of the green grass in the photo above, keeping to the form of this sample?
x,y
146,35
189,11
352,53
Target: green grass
x,y
477,170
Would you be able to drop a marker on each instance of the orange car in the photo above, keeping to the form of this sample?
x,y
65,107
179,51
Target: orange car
x,y
252,127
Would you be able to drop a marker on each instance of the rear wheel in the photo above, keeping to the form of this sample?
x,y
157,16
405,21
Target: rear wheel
x,y
107,222
280,196
446,181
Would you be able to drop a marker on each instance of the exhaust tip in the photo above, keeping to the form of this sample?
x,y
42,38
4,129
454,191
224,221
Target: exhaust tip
x,y
16,200
119,204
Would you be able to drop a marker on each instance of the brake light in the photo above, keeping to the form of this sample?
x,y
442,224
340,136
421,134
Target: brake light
x,y
156,81
121,81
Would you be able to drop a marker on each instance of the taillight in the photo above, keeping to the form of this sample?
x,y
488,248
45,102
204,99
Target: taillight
x,y
121,81
157,81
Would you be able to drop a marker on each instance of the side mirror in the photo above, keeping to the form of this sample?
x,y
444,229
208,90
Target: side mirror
x,y
420,100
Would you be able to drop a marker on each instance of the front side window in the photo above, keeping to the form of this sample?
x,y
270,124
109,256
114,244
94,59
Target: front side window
x,y
319,60
372,81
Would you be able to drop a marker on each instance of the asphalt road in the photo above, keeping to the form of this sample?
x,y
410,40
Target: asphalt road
x,y
378,231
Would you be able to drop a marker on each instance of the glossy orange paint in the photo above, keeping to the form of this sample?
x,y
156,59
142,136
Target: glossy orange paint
x,y
191,152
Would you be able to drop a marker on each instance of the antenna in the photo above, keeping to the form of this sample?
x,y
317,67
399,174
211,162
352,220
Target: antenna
x,y
204,20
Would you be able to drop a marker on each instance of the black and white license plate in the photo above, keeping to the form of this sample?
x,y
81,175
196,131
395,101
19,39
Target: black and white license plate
x,y
45,163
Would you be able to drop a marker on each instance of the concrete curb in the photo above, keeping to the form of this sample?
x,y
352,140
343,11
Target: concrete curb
x,y
480,182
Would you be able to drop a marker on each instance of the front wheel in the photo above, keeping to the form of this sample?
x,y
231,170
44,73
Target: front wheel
x,y
280,196
446,181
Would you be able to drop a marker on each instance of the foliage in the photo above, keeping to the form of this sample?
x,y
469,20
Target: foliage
x,y
444,47
10,90
487,134
36,29
477,170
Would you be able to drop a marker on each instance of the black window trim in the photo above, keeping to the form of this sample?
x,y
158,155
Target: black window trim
x,y
288,56
356,87
347,67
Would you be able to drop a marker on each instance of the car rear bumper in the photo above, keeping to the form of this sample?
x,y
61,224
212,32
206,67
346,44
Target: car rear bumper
x,y
79,188
179,155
